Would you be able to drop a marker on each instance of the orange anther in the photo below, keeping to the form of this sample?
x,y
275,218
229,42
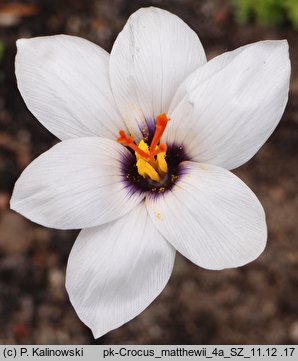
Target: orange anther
x,y
123,139
129,142
162,148
154,149
161,123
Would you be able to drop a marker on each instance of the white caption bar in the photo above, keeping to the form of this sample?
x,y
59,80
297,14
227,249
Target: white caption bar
x,y
149,352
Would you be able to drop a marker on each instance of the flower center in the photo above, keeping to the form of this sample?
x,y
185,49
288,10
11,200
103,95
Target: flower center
x,y
150,160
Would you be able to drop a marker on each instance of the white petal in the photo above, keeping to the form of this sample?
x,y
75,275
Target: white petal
x,y
64,81
225,111
116,270
152,55
211,217
76,184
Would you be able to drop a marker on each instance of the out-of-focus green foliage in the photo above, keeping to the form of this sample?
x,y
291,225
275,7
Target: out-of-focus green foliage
x,y
267,12
291,7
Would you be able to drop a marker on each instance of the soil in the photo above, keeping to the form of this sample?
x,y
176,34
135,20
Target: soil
x,y
254,304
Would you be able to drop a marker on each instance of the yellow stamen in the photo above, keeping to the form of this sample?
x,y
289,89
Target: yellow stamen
x,y
162,166
144,148
151,160
147,171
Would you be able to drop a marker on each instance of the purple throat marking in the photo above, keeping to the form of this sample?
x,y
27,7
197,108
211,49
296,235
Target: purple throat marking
x,y
135,183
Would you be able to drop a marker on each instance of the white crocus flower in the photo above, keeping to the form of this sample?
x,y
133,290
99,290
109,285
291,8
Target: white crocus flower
x,y
140,196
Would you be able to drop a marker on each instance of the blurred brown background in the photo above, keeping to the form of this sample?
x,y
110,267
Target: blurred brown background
x,y
257,303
